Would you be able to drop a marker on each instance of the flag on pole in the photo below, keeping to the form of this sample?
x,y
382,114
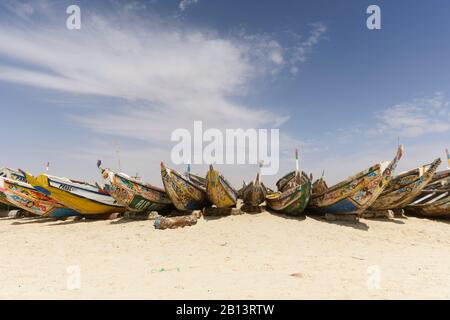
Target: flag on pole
x,y
448,158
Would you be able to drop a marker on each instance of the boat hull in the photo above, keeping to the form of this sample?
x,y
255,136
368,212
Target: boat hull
x,y
185,195
135,196
254,194
25,197
440,208
219,191
357,193
291,200
82,200
402,190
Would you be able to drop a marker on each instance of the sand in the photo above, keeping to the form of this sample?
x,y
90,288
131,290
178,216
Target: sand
x,y
261,256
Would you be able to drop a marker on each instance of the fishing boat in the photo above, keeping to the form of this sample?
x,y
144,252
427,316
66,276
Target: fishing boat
x,y
133,194
25,197
185,194
432,203
357,193
12,175
439,180
80,196
294,192
219,190
254,193
405,187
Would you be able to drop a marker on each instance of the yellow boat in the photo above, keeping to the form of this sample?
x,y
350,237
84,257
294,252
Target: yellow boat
x,y
219,190
79,196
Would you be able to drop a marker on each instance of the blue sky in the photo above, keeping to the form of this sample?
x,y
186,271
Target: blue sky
x,y
139,69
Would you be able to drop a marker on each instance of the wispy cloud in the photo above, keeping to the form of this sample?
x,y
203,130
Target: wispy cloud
x,y
161,76
186,3
415,118
276,56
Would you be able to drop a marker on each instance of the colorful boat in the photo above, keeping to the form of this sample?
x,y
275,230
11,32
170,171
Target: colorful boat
x,y
12,175
135,195
185,194
293,196
432,203
357,193
439,180
219,190
254,193
405,187
82,197
294,192
25,197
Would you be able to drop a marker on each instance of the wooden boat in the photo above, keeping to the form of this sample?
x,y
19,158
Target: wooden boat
x,y
432,203
133,194
185,194
25,197
219,190
12,175
439,180
294,192
293,196
82,197
357,193
254,193
405,187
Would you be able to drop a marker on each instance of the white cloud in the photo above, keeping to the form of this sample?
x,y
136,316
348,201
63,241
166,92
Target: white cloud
x,y
274,56
415,118
186,3
160,77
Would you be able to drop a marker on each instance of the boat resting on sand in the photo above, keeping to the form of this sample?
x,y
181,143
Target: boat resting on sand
x,y
12,175
432,203
135,195
82,197
185,194
25,197
219,190
357,193
440,179
254,193
405,187
293,196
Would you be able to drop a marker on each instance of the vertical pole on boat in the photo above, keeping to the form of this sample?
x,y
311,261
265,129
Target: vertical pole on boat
x,y
297,162
258,178
47,166
118,157
448,158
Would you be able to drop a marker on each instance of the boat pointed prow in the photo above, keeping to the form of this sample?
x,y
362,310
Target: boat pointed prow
x,y
99,164
163,166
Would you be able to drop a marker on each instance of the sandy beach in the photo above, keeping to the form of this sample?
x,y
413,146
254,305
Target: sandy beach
x,y
262,256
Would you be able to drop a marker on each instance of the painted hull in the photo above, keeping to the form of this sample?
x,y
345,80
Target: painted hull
x,y
254,193
440,179
220,192
83,198
25,197
134,195
403,189
437,204
185,194
293,197
357,193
